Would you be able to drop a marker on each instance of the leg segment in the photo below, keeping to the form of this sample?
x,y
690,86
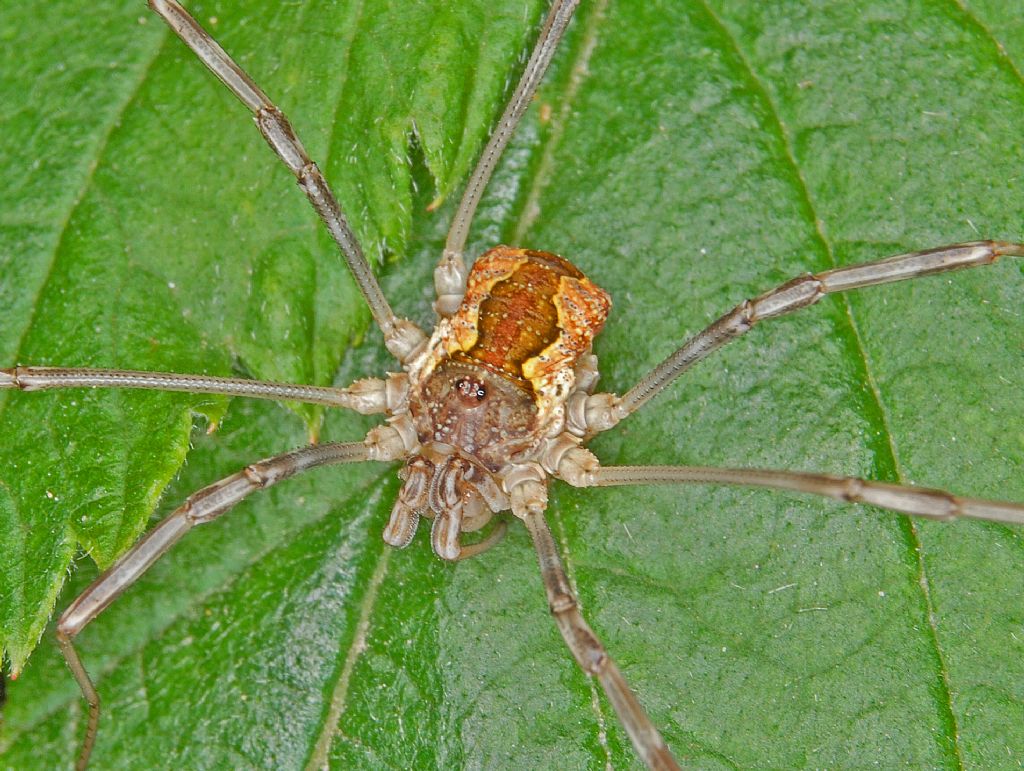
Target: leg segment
x,y
606,410
367,396
401,336
492,539
917,501
581,640
200,507
450,275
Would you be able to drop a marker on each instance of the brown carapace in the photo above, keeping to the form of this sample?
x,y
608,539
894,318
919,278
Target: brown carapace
x,y
527,314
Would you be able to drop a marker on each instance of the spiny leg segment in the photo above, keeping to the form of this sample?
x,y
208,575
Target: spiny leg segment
x,y
917,501
590,653
605,410
450,274
367,396
529,500
199,508
401,336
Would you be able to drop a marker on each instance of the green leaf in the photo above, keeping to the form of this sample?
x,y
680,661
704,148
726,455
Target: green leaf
x,y
695,154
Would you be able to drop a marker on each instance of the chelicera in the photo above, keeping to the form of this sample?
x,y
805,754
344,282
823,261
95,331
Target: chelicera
x,y
498,400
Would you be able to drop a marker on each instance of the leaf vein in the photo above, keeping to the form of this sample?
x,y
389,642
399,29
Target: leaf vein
x,y
888,447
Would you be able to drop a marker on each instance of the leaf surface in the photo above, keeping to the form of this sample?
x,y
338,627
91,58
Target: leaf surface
x,y
695,154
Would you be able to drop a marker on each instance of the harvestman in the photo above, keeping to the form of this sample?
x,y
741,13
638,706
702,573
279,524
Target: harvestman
x,y
495,401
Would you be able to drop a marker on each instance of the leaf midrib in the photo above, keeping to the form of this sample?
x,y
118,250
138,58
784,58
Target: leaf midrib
x,y
876,417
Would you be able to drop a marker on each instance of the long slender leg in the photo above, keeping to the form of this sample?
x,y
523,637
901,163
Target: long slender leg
x,y
367,396
606,410
586,648
918,501
200,507
450,275
401,336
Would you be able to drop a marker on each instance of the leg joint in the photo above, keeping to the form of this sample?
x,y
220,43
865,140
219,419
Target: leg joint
x,y
561,602
255,475
281,137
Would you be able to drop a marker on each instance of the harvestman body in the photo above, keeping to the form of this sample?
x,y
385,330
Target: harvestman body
x,y
498,399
